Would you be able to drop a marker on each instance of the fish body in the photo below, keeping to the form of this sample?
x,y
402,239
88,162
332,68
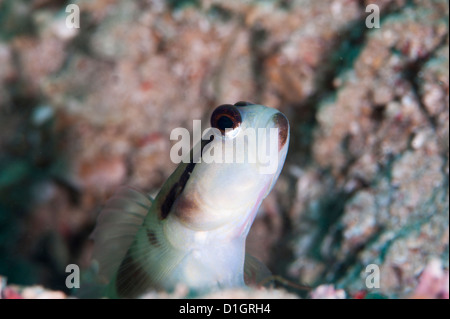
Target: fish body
x,y
194,231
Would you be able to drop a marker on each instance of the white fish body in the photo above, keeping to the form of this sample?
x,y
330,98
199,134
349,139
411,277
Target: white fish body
x,y
194,232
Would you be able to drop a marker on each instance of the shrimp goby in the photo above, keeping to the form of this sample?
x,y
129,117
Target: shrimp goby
x,y
194,231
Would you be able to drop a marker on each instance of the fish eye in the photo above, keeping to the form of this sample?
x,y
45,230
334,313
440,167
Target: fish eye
x,y
226,116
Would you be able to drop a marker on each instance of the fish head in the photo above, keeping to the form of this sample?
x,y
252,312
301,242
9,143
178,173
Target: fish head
x,y
239,164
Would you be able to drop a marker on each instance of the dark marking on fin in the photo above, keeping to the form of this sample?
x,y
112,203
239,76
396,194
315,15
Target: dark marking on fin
x,y
132,280
152,239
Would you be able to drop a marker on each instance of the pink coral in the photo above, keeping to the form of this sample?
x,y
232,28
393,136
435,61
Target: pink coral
x,y
433,282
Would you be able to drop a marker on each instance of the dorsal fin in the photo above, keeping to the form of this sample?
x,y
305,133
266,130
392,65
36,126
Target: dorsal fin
x,y
117,226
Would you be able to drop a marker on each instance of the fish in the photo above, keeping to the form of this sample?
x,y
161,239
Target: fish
x,y
193,232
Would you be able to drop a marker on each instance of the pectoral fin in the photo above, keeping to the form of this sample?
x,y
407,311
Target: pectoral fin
x,y
255,272
117,226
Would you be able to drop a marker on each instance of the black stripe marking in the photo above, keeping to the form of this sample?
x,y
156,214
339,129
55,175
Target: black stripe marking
x,y
178,187
176,190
